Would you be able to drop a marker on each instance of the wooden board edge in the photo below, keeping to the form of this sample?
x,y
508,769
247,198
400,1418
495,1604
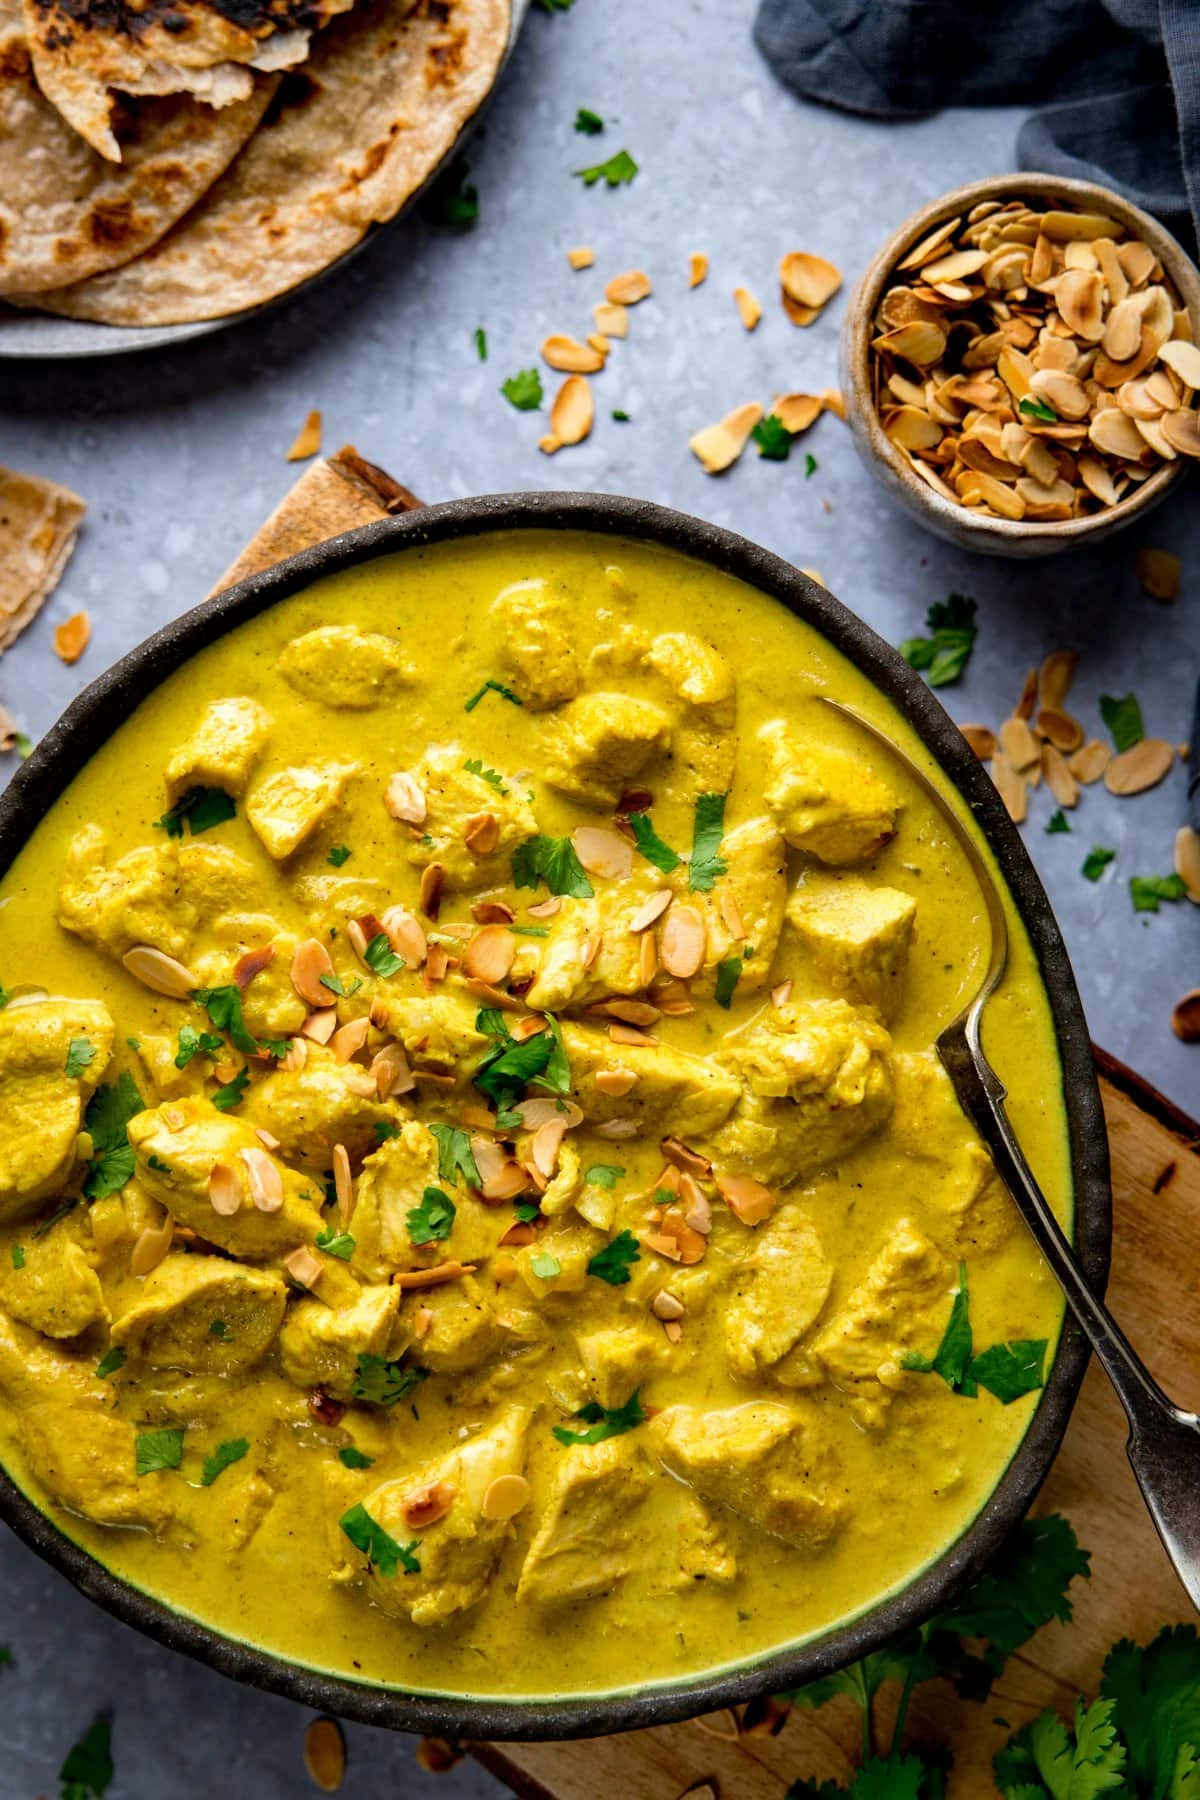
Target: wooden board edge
x,y
1148,1099
492,1757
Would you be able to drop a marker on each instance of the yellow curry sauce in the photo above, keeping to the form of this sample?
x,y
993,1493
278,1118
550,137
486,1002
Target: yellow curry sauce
x,y
702,1205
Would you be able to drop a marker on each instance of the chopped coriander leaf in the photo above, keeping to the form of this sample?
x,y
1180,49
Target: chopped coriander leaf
x,y
430,1222
455,1156
233,1092
1124,720
337,986
1010,1370
380,958
773,438
620,416
952,1355
492,687
538,931
108,1112
524,391
650,845
384,1131
222,1458
552,860
474,766
339,855
490,1022
224,1008
942,657
24,745
1096,861
1057,823
1147,890
619,170
508,1120
352,1458
811,465
706,864
604,1421
220,1330
545,1266
158,1165
378,1546
383,1383
201,808
109,1364
452,200
1037,409
159,1450
613,1263
481,343
57,1216
504,1075
81,1054
335,1243
1006,1370
527,1211
5,996
729,973
88,1767
18,1256
555,6
604,1175
196,1043
588,122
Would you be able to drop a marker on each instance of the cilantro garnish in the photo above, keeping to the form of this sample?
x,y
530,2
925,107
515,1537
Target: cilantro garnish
x,y
603,1421
545,1266
383,1383
157,1164
604,1175
233,1092
1057,823
588,122
942,657
613,1263
352,1458
432,1221
1096,861
527,1211
555,6
811,465
706,864
380,958
1006,1370
220,1330
1037,409
5,996
1124,720
620,416
481,343
339,855
773,438
492,687
1147,890
196,1043
650,845
729,973
504,1075
159,1450
335,1243
108,1113
556,1076
222,1458
619,170
337,986
24,745
474,766
535,931
524,391
200,808
18,1256
377,1545
109,1364
88,1767
224,1008
455,1156
490,1022
383,1131
452,200
81,1054
552,860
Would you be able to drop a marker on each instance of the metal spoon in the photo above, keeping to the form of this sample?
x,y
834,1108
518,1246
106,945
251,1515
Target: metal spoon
x,y
1164,1439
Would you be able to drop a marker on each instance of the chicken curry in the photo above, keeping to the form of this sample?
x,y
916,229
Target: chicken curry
x,y
479,1208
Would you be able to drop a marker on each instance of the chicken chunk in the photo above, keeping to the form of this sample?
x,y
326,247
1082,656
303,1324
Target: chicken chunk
x,y
342,667
320,1345
899,1306
562,978
857,935
619,1358
539,657
584,1545
823,799
958,1176
177,1147
817,1083
222,750
765,1461
744,907
313,1108
160,1077
392,1184
459,1552
86,1458
675,1093
778,1289
56,1290
458,802
705,747
41,1105
462,1329
286,808
600,742
437,1031
271,1007
158,894
171,1326
700,1548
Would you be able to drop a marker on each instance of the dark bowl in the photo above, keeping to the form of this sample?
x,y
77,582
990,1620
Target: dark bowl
x,y
106,705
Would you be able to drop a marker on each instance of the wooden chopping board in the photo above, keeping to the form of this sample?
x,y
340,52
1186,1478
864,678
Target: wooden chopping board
x,y
1133,1590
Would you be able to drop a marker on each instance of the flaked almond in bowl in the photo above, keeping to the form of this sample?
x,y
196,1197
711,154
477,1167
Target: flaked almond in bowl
x,y
1021,364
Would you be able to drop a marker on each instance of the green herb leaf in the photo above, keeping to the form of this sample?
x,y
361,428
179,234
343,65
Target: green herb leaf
x,y
337,986
108,1113
773,438
88,1768
224,1008
233,1092
157,1164
455,1156
943,656
431,1222
1057,823
81,1054
222,1458
159,1450
545,1266
706,864
1096,861
59,1214
524,391
811,465
604,1421
383,1131
196,1043
490,1022
650,845
335,1243
24,745
493,687
1156,1698
352,1458
1147,890
556,1076
589,123
953,1354
220,1330
1037,409
18,1256
474,766
1010,1370
452,200
383,1383
533,931
555,6
5,996
613,1263
507,1072
552,860
620,416
481,343
381,958
729,974
200,809
1124,720
527,1211
1047,1758
378,1546
619,169
339,855
604,1175
110,1363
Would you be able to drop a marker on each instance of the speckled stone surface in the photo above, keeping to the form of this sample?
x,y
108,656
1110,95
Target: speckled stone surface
x,y
181,455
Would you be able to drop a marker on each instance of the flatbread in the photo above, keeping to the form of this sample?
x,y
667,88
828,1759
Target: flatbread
x,y
381,100
66,213
83,51
39,522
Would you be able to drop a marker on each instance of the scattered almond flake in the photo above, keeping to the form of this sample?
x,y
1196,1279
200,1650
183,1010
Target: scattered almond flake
x,y
151,1246
224,1190
481,833
1059,779
1139,768
749,1200
1184,359
391,1073
406,935
251,964
632,1012
781,993
320,1025
581,258
603,852
308,440
1187,860
1089,763
982,740
651,910
264,1179
697,268
1027,704
628,1034
546,1111
492,912
647,958
343,1181
569,356
411,1280
612,320
573,411
599,343
718,446
404,798
296,1057
1159,573
616,1128
505,1497
72,637
627,289
549,444
590,949
835,402
665,1306
1011,787
1019,744
433,879
304,1266
815,575
682,941
349,1039
1064,732
310,961
161,973
545,909
1185,1018
796,412
749,311
616,1083
267,1139
808,280
490,954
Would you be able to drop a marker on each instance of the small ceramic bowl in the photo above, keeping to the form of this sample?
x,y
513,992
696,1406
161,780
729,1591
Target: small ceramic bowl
x,y
977,530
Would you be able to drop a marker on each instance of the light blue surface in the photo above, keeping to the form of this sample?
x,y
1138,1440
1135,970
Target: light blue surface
x,y
181,456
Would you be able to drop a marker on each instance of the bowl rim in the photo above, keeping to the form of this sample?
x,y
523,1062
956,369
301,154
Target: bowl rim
x,y
103,706
858,330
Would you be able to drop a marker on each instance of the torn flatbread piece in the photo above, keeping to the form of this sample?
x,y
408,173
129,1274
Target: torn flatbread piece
x,y
39,522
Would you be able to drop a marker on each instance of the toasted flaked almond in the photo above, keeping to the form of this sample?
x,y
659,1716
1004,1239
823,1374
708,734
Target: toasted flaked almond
x,y
911,428
492,996
749,1200
151,1246
296,1057
426,1505
1059,779
749,310
304,1266
1019,744
1097,480
1187,860
72,637
930,246
616,1128
161,973
519,1234
1141,767
539,1112
307,441
1054,678
1065,393
267,1139
310,961
682,941
391,1073
546,909
490,953
681,1156
1138,261
509,1180
581,258
569,356
1089,763
1064,732
481,833
1116,434
627,289
1182,432
781,993
1159,573
630,1012
546,1144
922,342
1141,401
358,939
613,321
719,446
573,411
492,912
665,1306
343,1180
651,910
224,1190
1079,297
405,934
349,1039
982,740
251,964
1011,787
697,1210
599,342
647,958
628,1034
616,1083
413,1280
320,1024
603,852
263,1178
1184,358
404,798
835,402
690,1243
807,279
433,879
505,1497
697,268
524,1029
549,444
796,412
1185,1018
